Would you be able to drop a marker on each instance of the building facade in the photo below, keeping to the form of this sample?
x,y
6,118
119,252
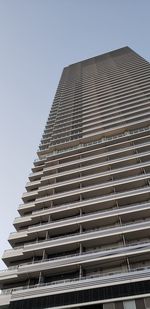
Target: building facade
x,y
83,232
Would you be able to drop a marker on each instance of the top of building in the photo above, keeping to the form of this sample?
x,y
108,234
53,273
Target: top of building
x,y
112,53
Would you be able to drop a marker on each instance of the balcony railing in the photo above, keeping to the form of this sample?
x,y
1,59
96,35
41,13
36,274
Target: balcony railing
x,y
94,215
82,179
96,156
100,275
87,201
108,184
110,227
134,245
101,141
126,125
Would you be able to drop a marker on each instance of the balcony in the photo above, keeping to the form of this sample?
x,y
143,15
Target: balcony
x,y
103,104
87,127
8,275
125,117
32,184
36,175
38,161
5,300
83,181
98,141
20,220
88,256
89,190
106,88
105,111
85,259
26,207
90,236
17,235
89,157
75,221
135,194
99,114
27,196
11,253
92,166
76,284
114,130
129,123
107,176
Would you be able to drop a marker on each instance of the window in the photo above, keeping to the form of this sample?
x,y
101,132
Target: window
x,y
129,304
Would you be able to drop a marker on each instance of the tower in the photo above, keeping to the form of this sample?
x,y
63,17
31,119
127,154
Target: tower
x,y
83,233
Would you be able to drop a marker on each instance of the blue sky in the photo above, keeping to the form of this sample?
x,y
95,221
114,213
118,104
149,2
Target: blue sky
x,y
37,39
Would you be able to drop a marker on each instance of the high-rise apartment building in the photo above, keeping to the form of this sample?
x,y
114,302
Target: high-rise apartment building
x,y
83,233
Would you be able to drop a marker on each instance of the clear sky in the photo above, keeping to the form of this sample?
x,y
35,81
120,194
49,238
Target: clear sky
x,y
37,39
